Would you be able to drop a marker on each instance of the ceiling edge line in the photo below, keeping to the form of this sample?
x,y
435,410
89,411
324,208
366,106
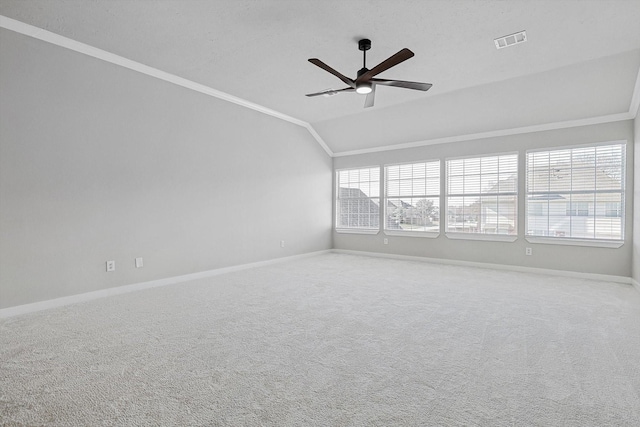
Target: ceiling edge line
x,y
492,134
65,42
635,99
319,139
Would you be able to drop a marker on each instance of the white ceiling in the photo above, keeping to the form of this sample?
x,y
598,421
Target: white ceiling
x,y
581,59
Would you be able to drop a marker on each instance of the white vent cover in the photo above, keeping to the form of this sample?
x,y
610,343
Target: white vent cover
x,y
511,39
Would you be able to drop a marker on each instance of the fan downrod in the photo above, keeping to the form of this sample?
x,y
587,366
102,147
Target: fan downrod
x,y
364,45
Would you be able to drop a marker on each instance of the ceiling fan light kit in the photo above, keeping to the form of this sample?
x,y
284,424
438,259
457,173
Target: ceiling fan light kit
x,y
365,83
364,87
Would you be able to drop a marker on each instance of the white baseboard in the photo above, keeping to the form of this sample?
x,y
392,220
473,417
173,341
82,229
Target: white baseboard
x,y
73,299
564,273
88,296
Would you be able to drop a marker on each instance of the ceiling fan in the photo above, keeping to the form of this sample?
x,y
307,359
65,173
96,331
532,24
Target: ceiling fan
x,y
365,83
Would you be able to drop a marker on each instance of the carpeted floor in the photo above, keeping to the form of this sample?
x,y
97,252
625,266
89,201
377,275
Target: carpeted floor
x,y
332,340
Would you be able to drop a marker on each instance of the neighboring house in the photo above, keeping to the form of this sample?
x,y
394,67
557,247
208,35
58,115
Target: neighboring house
x,y
499,214
491,214
561,202
424,216
356,209
565,211
396,214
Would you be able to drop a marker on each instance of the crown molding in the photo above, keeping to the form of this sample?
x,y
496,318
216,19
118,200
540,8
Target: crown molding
x,y
492,134
634,107
56,39
65,42
635,99
319,139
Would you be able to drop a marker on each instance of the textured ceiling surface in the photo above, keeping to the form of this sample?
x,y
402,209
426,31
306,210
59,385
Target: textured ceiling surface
x,y
580,61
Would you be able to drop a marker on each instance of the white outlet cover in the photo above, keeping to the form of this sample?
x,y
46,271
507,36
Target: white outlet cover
x,y
139,263
111,266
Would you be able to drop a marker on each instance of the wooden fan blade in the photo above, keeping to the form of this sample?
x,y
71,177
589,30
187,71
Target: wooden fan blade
x,y
368,102
332,91
392,61
345,79
404,84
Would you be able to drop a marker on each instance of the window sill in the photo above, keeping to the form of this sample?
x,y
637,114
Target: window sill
x,y
427,234
484,237
575,242
355,231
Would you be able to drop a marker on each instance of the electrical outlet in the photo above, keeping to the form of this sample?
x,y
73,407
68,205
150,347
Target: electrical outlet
x,y
385,241
528,251
111,266
139,263
282,243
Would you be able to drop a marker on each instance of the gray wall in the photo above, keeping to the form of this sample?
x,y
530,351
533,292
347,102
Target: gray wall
x,y
99,163
636,200
572,258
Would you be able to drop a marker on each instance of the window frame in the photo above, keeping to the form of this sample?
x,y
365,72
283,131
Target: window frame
x,y
337,199
447,195
385,182
580,241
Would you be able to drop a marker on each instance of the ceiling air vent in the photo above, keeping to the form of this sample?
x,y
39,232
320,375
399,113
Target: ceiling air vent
x,y
511,39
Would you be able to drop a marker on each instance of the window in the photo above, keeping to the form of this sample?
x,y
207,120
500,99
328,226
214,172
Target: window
x,y
613,209
358,200
580,189
412,197
482,195
577,209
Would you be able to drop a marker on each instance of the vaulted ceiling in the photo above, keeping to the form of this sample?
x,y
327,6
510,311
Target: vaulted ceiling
x,y
580,62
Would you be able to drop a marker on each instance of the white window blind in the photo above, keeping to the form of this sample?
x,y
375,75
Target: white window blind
x,y
576,192
482,194
412,197
358,199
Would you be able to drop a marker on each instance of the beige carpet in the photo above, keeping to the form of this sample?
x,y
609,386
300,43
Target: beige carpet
x,y
332,340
